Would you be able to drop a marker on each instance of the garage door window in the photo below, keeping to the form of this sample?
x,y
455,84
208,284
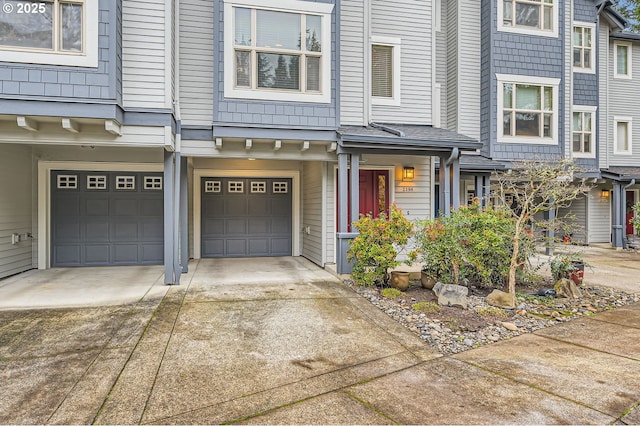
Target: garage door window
x,y
96,182
126,182
236,187
67,182
258,187
212,186
152,183
280,187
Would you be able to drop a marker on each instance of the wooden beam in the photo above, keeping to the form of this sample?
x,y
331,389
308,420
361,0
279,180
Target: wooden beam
x,y
277,145
305,145
332,147
27,124
113,127
248,143
70,125
218,143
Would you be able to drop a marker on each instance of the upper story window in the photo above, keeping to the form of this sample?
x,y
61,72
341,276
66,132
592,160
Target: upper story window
x,y
527,109
56,32
536,17
385,70
583,131
278,51
622,58
583,48
622,135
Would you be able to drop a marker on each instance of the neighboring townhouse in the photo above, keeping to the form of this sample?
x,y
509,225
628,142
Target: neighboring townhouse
x,y
87,132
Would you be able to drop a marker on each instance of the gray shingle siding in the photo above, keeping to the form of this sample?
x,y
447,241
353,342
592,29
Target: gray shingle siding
x,y
584,11
519,54
83,84
585,89
230,111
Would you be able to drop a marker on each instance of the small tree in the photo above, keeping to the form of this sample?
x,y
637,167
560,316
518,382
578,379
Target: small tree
x,y
535,187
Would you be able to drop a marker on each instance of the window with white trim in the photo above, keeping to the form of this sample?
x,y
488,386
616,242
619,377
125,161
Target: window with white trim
x,y
126,182
583,127
280,187
234,186
527,109
622,59
67,182
153,182
583,47
212,186
385,70
96,182
535,17
622,135
56,32
258,187
278,50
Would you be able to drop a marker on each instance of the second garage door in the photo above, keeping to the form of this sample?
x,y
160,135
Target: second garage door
x,y
246,217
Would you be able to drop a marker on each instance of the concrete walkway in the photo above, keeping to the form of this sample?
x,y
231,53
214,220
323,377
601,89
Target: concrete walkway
x,y
300,348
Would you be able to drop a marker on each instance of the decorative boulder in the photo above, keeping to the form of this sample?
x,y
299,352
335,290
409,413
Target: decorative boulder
x,y
501,299
451,294
567,288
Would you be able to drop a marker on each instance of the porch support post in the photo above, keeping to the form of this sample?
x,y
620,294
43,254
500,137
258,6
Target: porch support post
x,y
169,219
455,183
617,227
176,216
184,224
486,197
445,188
343,169
355,189
550,216
479,189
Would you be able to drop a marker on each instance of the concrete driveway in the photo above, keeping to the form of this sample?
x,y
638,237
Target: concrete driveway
x,y
286,343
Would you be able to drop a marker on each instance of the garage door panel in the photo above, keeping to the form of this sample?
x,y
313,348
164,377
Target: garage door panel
x,y
236,247
125,254
66,231
259,225
67,254
259,247
103,225
66,205
96,206
235,226
96,254
256,213
235,206
96,231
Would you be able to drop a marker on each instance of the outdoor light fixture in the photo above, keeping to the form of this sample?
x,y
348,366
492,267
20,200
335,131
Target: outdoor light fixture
x,y
605,193
408,173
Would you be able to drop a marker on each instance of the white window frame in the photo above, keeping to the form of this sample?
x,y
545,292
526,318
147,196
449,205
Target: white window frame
x,y
87,58
291,6
622,119
527,30
538,81
592,110
395,43
629,47
592,27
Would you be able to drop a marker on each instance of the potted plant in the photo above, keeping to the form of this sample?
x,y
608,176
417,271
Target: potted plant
x,y
375,250
570,266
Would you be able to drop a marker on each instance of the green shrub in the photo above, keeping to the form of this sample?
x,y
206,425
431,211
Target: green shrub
x,y
375,249
392,293
426,307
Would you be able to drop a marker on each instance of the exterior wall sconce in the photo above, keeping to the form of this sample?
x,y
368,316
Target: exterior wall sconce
x,y
605,193
408,173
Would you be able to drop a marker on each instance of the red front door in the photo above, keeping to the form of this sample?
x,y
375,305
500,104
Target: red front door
x,y
630,202
374,194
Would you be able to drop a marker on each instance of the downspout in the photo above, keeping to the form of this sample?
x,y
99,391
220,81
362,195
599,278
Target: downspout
x,y
454,155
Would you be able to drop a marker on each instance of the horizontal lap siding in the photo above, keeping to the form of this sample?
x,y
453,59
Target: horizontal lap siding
x,y
599,225
411,22
352,62
469,69
312,214
196,62
143,39
15,208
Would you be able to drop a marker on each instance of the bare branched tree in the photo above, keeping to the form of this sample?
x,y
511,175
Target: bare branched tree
x,y
531,188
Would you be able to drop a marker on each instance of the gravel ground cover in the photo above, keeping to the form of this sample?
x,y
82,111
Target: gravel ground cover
x,y
452,330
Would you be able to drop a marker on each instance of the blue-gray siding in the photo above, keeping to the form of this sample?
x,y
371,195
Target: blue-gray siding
x,y
241,112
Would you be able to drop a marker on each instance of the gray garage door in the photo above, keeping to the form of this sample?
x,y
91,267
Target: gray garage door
x,y
246,217
106,218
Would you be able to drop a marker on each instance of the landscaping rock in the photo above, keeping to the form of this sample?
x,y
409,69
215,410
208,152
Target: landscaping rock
x,y
510,326
567,288
501,299
451,294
